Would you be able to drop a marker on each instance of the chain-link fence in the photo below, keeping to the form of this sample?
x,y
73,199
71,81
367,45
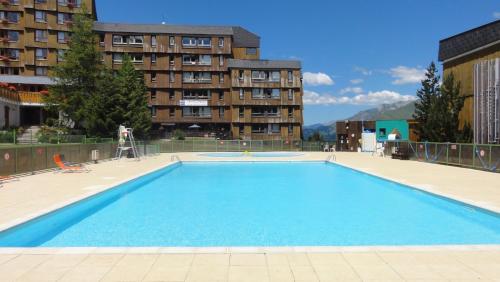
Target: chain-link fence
x,y
28,159
172,146
477,156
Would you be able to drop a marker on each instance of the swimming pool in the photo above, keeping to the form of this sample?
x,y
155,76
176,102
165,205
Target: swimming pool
x,y
252,154
205,204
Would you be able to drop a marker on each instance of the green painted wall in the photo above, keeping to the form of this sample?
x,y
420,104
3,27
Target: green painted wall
x,y
386,127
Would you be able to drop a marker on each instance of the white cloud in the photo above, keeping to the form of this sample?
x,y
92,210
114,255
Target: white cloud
x,y
406,75
357,81
371,98
355,90
318,78
496,15
363,71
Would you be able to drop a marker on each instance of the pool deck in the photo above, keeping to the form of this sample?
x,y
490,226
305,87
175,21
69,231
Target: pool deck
x,y
38,194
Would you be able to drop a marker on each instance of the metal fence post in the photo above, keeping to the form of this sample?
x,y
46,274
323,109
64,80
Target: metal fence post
x,y
474,155
447,153
459,154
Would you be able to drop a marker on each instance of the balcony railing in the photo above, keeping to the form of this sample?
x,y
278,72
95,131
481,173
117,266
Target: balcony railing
x,y
197,80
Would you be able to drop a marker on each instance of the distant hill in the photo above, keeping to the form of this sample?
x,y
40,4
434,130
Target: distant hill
x,y
399,110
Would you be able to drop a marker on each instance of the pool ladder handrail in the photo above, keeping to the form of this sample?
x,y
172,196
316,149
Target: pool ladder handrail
x,y
175,157
331,158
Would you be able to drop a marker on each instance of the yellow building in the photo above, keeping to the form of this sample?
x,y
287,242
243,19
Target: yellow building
x,y
473,57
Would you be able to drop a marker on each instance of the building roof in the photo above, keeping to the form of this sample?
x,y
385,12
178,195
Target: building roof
x,y
242,37
21,79
263,64
469,41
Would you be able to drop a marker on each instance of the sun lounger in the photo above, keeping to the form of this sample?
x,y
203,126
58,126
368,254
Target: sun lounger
x,y
68,168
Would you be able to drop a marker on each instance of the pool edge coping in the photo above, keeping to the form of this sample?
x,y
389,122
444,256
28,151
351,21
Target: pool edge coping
x,y
243,250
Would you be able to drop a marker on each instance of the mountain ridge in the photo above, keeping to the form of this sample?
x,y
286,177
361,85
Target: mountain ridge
x,y
398,110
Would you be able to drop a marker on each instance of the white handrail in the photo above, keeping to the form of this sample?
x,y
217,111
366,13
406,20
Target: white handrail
x,y
331,158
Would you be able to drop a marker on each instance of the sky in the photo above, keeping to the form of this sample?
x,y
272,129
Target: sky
x,y
355,54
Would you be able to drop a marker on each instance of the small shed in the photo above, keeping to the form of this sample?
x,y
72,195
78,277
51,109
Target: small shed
x,y
392,130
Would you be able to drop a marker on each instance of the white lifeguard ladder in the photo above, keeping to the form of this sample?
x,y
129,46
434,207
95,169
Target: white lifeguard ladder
x,y
125,134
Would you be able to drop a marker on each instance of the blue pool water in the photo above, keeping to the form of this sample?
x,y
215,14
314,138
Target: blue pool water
x,y
259,204
252,154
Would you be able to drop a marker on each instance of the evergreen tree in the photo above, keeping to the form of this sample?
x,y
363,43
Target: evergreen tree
x,y
424,105
77,76
448,108
131,86
316,137
106,107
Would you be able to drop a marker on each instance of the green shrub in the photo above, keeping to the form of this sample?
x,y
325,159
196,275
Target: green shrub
x,y
6,137
179,134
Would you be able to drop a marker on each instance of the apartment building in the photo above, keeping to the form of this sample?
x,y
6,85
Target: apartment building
x,y
33,35
473,56
204,80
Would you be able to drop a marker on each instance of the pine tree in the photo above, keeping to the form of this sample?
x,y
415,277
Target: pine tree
x,y
424,105
449,105
106,107
78,74
131,86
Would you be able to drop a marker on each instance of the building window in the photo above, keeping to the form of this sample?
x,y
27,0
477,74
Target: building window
x,y
242,94
274,128
11,17
242,129
153,58
172,40
73,3
62,37
137,58
266,76
42,53
60,55
117,58
221,96
172,77
171,95
221,60
136,39
382,132
242,112
41,35
221,77
101,39
63,18
12,54
241,75
290,112
10,35
221,112
197,77
153,111
290,76
153,40
266,93
290,94
193,42
153,95
41,71
40,16
204,60
119,39
251,51
171,112
40,1
153,76
196,94
172,60
290,130
221,41
204,112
